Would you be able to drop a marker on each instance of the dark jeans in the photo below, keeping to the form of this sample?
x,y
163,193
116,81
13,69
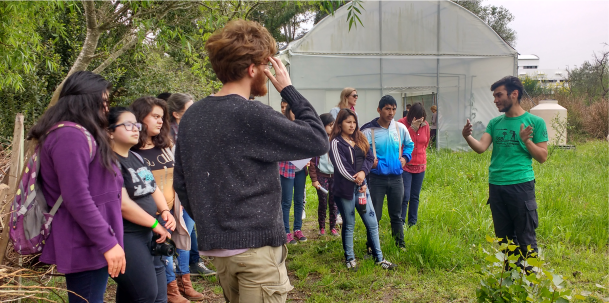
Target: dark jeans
x,y
288,187
194,257
514,211
412,190
144,279
90,285
325,201
392,187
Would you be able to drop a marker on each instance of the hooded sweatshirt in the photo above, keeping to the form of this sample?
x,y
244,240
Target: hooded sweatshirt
x,y
388,147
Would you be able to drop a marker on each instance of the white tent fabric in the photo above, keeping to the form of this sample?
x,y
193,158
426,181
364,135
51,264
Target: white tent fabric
x,y
405,49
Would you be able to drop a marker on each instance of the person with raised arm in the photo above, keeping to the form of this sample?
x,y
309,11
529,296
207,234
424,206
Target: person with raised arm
x,y
517,137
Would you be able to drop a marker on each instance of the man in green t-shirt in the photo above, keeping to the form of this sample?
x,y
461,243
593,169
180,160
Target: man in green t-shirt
x,y
517,138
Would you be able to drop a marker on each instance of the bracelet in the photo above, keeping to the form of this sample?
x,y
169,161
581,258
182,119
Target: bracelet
x,y
164,211
156,222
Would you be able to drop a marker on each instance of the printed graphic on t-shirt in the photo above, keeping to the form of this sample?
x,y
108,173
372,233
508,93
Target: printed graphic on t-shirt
x,y
142,180
506,137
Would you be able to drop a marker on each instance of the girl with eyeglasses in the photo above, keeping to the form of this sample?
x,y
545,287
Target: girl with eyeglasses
x,y
86,238
144,279
155,146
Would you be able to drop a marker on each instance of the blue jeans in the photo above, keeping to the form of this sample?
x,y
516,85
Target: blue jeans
x,y
412,190
90,285
183,255
288,187
194,246
366,212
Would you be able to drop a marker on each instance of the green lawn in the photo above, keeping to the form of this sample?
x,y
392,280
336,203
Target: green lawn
x,y
442,250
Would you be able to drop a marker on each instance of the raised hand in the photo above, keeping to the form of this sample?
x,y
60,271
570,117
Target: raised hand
x,y
526,133
281,78
467,129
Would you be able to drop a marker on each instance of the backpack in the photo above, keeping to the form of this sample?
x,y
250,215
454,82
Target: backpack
x,y
30,222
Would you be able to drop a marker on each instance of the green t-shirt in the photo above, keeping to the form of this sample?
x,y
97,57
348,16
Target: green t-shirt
x,y
511,162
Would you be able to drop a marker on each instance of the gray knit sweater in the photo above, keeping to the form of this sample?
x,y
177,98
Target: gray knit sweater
x,y
226,172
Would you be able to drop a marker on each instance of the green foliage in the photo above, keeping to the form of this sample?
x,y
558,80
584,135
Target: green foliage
x,y
505,280
22,48
591,79
533,87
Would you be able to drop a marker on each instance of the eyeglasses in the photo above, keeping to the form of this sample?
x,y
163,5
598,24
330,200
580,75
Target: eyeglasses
x,y
128,126
355,96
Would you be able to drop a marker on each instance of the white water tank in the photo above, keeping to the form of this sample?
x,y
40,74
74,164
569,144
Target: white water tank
x,y
555,117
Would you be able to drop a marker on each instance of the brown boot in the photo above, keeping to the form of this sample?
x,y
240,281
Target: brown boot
x,y
173,294
186,289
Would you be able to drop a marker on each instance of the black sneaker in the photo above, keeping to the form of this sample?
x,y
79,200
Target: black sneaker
x,y
200,269
351,265
386,265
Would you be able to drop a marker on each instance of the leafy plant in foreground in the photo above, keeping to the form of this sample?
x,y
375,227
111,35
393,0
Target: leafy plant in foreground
x,y
506,277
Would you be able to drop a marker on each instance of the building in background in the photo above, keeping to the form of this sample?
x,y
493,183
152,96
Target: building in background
x,y
434,52
528,66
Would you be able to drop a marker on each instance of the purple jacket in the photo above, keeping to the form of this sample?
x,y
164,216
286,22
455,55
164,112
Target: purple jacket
x,y
342,156
89,222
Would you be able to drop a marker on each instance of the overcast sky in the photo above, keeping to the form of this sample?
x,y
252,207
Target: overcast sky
x,y
560,32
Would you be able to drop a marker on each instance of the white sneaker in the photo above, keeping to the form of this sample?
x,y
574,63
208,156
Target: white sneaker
x,y
304,215
339,219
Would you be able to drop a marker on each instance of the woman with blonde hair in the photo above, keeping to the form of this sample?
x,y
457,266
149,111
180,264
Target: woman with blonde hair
x,y
348,99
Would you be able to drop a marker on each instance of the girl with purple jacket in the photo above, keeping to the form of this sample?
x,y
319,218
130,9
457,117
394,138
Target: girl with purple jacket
x,y
352,159
86,238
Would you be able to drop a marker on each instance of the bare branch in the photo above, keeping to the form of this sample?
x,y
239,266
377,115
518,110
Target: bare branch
x,y
236,10
90,14
115,17
116,54
251,9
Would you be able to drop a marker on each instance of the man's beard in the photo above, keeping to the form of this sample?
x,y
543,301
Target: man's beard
x,y
258,88
506,108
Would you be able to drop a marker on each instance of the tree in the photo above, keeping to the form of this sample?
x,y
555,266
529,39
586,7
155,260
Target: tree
x,y
21,46
497,17
591,78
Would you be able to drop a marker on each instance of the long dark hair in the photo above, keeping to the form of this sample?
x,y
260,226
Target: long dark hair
x,y
176,103
81,101
141,108
416,111
358,137
288,112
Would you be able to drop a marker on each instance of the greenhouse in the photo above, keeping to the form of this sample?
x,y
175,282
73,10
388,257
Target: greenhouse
x,y
434,52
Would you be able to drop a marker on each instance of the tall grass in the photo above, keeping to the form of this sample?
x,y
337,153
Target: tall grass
x,y
454,219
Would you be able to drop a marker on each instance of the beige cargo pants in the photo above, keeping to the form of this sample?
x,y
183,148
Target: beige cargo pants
x,y
255,276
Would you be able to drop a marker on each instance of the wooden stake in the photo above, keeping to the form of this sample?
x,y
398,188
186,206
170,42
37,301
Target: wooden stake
x,y
13,181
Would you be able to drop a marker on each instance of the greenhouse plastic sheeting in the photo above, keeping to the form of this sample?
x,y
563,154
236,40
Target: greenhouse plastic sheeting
x,y
429,50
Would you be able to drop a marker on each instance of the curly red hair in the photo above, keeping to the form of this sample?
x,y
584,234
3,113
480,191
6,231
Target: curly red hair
x,y
238,45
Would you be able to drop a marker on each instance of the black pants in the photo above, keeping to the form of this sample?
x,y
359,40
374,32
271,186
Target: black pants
x,y
391,186
514,211
144,279
89,286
